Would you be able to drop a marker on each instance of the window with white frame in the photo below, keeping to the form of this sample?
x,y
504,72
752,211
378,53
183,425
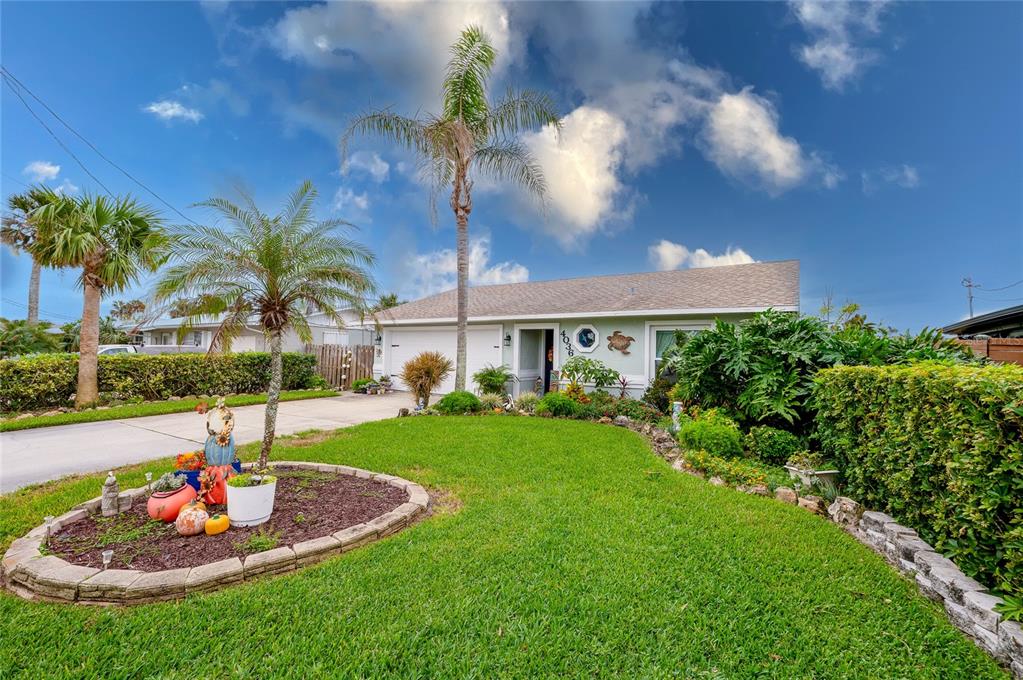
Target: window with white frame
x,y
663,340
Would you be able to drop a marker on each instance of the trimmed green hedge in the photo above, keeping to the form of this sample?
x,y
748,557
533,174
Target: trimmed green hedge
x,y
49,380
940,448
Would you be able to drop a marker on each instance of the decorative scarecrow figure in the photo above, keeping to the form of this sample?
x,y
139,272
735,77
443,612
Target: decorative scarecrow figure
x,y
219,451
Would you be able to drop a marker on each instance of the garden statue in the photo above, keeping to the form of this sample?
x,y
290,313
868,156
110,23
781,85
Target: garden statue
x,y
219,452
109,502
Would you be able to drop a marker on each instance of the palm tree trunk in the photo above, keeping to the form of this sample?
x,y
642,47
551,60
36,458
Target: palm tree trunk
x,y
461,203
33,292
88,346
272,397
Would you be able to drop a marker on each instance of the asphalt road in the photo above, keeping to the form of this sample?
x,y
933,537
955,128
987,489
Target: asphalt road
x,y
32,456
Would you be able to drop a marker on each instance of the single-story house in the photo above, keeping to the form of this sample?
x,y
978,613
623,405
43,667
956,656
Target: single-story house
x,y
997,335
325,331
625,320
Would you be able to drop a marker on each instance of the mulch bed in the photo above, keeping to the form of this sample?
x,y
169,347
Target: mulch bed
x,y
308,504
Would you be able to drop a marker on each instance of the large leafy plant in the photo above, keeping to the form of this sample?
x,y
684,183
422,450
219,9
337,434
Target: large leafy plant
x,y
763,369
581,369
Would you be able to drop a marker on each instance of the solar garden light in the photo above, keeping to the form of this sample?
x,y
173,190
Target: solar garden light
x,y
149,481
48,520
108,557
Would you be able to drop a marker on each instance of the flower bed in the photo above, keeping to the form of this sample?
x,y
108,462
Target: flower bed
x,y
391,504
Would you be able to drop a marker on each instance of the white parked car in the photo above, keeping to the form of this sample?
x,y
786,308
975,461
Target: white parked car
x,y
117,349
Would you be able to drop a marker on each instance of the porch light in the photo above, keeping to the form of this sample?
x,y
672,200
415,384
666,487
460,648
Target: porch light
x,y
507,339
378,339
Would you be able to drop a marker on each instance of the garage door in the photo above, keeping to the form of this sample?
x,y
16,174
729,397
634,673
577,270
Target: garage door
x,y
483,347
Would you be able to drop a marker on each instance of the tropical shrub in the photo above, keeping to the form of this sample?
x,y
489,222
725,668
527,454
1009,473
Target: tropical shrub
x,y
658,394
459,402
772,445
763,368
492,379
733,471
48,380
940,448
558,405
716,434
491,402
580,369
424,372
18,337
527,402
109,334
575,391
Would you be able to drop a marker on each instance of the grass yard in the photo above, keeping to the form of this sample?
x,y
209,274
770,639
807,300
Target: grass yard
x,y
156,408
574,552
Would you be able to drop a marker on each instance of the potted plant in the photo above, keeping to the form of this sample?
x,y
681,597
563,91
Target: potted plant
x,y
190,464
810,468
170,494
250,498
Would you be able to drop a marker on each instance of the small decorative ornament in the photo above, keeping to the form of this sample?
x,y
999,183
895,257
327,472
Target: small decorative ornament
x,y
620,342
109,501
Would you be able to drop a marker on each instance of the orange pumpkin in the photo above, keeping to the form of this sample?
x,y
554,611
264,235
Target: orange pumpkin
x,y
217,524
192,519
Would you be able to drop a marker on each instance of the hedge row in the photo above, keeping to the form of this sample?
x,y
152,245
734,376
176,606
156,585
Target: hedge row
x,y
938,447
49,380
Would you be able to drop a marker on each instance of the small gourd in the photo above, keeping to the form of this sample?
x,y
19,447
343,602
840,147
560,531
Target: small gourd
x,y
192,519
217,524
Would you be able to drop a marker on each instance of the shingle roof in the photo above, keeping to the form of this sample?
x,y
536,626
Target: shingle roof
x,y
739,287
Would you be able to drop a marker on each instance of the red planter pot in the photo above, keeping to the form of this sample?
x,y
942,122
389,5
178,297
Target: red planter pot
x,y
165,505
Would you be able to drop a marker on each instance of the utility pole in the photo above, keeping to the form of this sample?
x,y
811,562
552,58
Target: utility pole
x,y
970,285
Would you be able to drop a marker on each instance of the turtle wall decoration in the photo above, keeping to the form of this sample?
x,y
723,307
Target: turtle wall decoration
x,y
620,342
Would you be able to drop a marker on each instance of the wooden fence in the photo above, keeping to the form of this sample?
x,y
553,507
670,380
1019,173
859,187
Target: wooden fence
x,y
1006,350
339,365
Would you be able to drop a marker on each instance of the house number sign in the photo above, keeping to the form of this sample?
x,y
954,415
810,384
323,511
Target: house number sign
x,y
567,341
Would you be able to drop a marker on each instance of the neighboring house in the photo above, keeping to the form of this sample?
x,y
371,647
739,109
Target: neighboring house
x,y
164,332
997,335
533,328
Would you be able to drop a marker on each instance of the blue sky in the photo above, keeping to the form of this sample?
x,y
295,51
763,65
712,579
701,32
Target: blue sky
x,y
880,144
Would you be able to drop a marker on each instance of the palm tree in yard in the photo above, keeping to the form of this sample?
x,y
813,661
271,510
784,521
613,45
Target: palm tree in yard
x,y
114,241
273,267
19,234
470,135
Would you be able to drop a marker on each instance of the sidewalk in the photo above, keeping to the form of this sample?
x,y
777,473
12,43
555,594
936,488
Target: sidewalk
x,y
41,454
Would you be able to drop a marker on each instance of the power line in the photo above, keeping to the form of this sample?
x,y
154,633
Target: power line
x,y
8,75
52,134
16,180
9,301
1011,285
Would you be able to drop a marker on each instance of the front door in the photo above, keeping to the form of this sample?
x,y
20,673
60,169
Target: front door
x,y
548,358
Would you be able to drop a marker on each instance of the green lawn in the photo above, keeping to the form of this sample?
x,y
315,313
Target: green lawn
x,y
156,408
575,552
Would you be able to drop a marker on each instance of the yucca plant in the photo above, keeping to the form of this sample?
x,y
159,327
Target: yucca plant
x,y
470,135
274,268
424,372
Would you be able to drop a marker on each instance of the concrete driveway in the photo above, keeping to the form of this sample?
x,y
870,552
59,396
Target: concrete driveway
x,y
32,456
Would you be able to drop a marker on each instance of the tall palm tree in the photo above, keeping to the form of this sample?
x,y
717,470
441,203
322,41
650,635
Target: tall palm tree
x,y
274,267
469,135
19,233
114,241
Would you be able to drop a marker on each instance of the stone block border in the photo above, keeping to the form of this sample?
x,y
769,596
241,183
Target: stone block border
x,y
968,605
32,575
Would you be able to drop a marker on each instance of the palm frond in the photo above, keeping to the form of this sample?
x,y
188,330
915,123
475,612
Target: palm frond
x,y
511,161
409,133
521,111
465,83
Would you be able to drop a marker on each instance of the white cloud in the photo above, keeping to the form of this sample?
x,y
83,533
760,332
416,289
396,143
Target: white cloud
x,y
41,171
743,140
581,169
436,271
66,187
666,255
169,109
345,198
404,42
904,176
370,163
835,28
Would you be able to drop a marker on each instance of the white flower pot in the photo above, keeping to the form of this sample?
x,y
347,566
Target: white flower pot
x,y
248,506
